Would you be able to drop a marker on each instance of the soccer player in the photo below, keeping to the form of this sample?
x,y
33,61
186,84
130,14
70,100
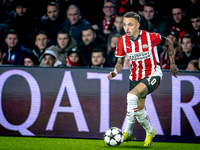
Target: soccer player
x,y
140,46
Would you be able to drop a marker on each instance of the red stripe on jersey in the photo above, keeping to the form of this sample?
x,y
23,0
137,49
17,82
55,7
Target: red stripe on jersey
x,y
147,62
148,67
134,74
128,45
120,48
153,53
140,70
154,59
136,47
133,70
144,42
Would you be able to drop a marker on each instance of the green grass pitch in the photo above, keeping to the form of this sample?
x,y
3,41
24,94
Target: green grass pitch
x,y
36,143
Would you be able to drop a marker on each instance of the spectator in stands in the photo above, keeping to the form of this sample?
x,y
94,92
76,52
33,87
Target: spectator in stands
x,y
24,23
90,40
111,47
31,60
192,4
1,54
152,20
129,5
97,58
53,23
4,24
65,43
192,65
73,58
105,24
199,63
195,23
74,22
172,35
179,20
41,42
50,59
118,25
14,51
190,51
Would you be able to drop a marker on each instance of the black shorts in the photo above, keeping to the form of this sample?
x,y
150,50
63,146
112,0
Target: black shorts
x,y
151,82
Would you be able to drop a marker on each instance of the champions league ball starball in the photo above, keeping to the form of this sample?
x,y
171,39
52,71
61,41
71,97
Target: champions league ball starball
x,y
113,136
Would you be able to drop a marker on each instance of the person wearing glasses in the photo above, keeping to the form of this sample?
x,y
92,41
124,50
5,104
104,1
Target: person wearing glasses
x,y
105,23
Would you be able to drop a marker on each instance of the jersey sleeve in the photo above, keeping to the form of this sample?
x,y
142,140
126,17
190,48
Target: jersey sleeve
x,y
120,48
155,38
163,39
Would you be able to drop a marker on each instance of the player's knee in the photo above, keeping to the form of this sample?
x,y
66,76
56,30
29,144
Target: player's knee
x,y
141,104
131,101
135,92
140,107
139,93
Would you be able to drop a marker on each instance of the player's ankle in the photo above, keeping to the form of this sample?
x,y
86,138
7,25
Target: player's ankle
x,y
149,131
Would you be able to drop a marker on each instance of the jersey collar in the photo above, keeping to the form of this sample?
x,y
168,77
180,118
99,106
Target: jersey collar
x,y
138,36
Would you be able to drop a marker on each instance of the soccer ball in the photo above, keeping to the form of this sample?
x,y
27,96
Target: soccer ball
x,y
113,136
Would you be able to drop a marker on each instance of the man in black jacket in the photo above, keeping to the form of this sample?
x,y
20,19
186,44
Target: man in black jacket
x,y
153,21
74,22
14,51
190,51
23,21
195,25
54,22
90,40
179,20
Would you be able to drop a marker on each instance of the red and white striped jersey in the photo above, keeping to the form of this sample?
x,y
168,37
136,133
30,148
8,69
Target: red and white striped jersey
x,y
142,54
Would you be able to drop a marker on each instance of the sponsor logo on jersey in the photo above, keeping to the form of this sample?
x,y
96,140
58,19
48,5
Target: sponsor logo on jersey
x,y
140,56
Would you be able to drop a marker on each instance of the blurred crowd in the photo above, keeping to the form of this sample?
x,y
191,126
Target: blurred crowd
x,y
76,34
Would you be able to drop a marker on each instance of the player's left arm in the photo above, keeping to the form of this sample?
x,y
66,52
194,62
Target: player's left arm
x,y
170,50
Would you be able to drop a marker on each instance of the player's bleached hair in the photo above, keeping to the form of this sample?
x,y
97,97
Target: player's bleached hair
x,y
132,14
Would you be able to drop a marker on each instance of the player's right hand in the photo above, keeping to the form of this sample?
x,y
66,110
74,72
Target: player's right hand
x,y
111,75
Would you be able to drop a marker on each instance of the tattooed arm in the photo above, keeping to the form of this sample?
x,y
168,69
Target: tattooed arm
x,y
118,67
170,51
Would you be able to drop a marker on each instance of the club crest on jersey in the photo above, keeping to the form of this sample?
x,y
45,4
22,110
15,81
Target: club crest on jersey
x,y
140,56
144,46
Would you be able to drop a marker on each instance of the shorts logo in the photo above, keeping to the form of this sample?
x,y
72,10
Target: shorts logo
x,y
153,81
144,46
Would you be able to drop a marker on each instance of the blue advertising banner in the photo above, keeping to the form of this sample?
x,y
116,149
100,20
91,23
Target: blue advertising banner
x,y
82,103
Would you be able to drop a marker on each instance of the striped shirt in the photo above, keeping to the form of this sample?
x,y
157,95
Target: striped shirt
x,y
142,54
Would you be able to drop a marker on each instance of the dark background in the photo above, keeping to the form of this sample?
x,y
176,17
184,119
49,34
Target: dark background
x,y
91,10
